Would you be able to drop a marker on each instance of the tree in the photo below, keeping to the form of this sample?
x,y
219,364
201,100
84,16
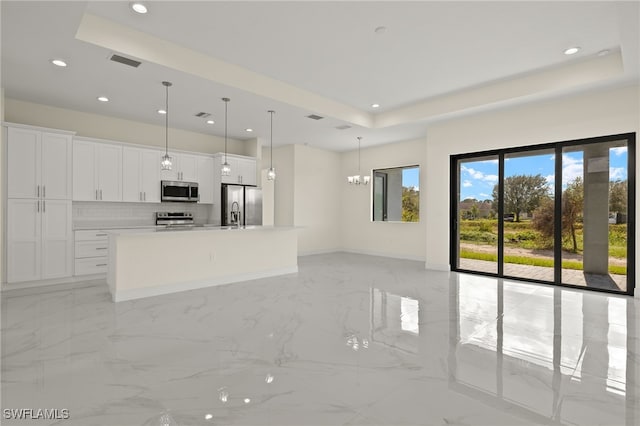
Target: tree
x,y
474,211
410,204
572,205
618,196
522,194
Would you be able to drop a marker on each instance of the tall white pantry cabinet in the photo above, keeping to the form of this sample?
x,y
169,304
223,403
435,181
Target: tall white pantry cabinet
x,y
39,212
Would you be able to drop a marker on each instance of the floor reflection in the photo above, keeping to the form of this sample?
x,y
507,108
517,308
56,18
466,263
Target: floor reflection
x,y
394,320
544,354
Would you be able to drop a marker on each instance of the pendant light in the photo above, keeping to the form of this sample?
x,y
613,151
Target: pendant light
x,y
166,163
355,179
271,173
226,168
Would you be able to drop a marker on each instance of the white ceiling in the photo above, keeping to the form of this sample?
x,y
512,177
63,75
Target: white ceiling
x,y
436,59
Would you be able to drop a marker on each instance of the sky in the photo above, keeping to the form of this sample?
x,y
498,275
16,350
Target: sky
x,y
477,178
411,177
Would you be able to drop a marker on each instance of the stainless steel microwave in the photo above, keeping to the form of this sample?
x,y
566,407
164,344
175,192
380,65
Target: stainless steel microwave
x,y
186,192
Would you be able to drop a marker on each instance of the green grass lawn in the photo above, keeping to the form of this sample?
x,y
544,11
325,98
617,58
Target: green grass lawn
x,y
534,261
522,235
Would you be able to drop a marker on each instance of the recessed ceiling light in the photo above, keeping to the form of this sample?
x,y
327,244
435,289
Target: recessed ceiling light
x,y
161,111
139,7
210,122
603,52
59,62
375,105
103,99
571,51
249,130
247,400
208,417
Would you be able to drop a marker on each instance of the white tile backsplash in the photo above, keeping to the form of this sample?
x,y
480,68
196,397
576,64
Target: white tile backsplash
x,y
95,214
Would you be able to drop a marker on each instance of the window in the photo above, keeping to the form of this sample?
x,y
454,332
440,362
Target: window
x,y
396,194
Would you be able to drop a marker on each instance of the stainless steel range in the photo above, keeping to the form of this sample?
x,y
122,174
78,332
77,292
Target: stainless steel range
x,y
174,219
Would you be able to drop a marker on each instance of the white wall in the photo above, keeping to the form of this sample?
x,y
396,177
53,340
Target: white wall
x,y
2,183
317,212
597,113
116,129
307,195
359,233
283,162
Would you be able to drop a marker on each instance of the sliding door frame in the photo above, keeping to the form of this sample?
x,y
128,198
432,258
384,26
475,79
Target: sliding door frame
x,y
557,147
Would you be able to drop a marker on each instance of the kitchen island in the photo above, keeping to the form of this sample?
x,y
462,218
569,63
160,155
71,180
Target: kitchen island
x,y
150,262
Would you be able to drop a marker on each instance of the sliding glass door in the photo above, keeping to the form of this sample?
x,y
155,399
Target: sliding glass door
x,y
558,213
477,236
595,214
528,197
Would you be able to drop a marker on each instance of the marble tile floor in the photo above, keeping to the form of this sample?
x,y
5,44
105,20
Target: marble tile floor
x,y
349,340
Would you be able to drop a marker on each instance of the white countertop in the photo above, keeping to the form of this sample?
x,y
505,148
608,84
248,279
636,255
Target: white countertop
x,y
159,230
112,226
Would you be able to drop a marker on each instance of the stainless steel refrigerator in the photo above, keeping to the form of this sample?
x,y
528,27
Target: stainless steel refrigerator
x,y
241,205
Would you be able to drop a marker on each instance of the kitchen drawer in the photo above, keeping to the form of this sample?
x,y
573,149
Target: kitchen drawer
x,y
91,235
91,249
91,265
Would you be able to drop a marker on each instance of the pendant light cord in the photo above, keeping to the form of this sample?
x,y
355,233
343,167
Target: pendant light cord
x,y
226,101
166,84
271,112
359,138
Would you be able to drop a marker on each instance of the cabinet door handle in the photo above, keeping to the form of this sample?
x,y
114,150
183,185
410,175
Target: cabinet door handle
x,y
96,194
44,206
38,191
101,264
102,234
101,248
38,206
140,196
144,195
44,191
101,194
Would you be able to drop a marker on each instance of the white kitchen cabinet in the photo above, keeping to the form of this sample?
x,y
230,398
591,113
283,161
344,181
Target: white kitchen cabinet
x,y
243,169
188,167
39,240
141,175
97,171
39,164
205,179
247,169
184,168
91,252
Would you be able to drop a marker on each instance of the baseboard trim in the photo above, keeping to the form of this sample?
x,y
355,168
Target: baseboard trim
x,y
379,254
49,282
139,293
313,252
437,267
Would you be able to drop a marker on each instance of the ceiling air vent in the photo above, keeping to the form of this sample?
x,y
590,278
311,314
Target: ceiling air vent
x,y
203,115
314,117
125,61
343,127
